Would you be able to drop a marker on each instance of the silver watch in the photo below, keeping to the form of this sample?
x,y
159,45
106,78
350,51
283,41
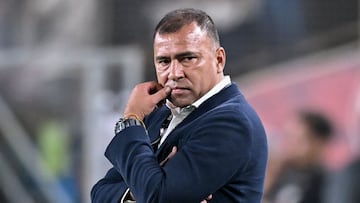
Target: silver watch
x,y
125,123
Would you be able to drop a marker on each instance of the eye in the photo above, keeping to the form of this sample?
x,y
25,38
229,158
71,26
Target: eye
x,y
189,58
162,64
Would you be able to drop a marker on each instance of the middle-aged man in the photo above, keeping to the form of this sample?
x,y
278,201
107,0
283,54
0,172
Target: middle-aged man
x,y
214,148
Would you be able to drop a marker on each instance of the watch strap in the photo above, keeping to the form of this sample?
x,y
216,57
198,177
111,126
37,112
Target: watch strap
x,y
125,123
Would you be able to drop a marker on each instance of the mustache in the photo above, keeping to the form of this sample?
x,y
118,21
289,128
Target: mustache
x,y
176,85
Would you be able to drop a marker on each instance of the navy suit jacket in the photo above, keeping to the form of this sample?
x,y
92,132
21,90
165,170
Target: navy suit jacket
x,y
222,150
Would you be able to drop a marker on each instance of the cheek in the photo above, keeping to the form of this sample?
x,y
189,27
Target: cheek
x,y
161,77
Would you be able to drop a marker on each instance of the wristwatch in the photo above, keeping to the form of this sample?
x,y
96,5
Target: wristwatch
x,y
125,123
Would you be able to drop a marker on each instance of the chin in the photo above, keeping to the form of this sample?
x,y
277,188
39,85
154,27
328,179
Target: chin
x,y
180,103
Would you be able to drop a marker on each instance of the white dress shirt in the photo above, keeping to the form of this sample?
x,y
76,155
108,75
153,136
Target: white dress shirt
x,y
179,114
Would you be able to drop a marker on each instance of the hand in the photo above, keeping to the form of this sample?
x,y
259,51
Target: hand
x,y
171,155
207,199
144,98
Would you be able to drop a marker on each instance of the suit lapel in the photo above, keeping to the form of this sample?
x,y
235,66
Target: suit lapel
x,y
155,121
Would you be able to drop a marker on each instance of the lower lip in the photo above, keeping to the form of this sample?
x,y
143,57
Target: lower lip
x,y
178,91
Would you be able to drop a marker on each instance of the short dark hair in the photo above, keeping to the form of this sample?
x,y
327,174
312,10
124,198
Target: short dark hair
x,y
175,20
319,125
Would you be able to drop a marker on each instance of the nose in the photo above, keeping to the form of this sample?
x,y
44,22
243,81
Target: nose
x,y
176,70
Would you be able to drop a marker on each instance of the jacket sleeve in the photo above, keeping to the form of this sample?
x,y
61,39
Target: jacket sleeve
x,y
216,150
109,189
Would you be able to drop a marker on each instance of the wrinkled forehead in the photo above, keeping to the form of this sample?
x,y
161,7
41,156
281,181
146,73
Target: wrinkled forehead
x,y
188,35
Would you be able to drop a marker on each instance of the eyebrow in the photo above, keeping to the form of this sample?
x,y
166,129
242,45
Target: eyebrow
x,y
158,58
184,54
180,55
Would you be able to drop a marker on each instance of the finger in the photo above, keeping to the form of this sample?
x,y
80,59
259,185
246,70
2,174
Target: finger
x,y
155,87
208,198
172,154
162,93
159,93
164,161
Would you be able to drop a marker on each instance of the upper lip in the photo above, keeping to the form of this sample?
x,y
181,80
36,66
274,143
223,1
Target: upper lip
x,y
176,86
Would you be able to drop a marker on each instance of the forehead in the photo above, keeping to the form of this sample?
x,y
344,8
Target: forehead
x,y
188,36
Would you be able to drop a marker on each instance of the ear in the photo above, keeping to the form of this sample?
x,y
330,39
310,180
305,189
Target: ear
x,y
220,59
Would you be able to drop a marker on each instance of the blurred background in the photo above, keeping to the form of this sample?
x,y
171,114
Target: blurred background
x,y
67,68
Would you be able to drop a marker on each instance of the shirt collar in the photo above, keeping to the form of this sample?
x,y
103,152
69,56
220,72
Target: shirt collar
x,y
217,88
226,81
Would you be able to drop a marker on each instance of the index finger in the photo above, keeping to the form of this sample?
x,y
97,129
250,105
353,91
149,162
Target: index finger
x,y
162,93
155,87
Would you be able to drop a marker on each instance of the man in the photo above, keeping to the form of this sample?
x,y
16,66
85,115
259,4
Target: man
x,y
216,142
303,175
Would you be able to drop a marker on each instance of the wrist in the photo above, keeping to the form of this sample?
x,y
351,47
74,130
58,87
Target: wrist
x,y
134,116
126,123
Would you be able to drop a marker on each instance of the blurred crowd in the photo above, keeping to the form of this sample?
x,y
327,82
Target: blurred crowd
x,y
297,171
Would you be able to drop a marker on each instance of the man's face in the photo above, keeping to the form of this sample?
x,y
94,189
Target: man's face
x,y
189,62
